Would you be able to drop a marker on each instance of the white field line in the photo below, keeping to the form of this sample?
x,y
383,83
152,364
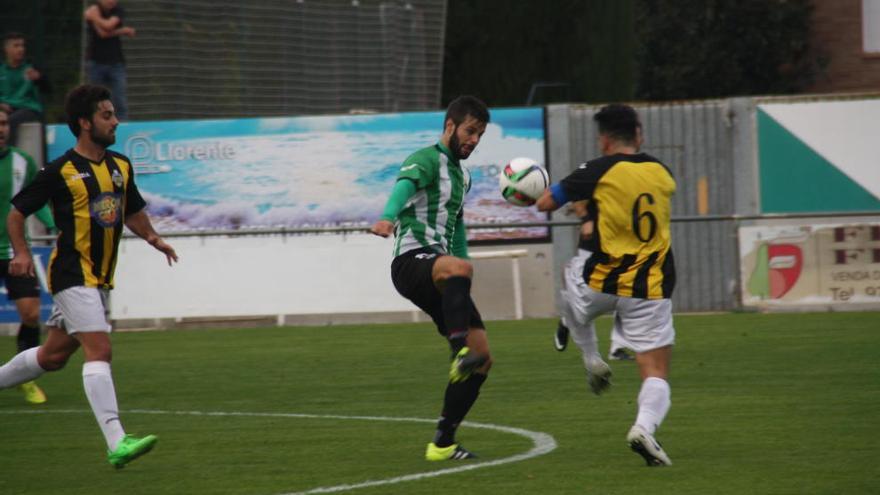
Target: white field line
x,y
542,443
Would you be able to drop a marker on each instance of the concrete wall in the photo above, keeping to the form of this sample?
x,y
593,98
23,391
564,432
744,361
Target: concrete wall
x,y
301,280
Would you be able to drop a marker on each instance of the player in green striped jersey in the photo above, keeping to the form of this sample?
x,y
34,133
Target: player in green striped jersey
x,y
430,267
18,169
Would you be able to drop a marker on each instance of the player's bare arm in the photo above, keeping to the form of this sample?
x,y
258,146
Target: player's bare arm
x,y
587,229
104,27
22,264
139,223
546,202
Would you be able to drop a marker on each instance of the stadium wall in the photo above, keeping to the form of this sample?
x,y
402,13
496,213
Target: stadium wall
x,y
298,279
717,149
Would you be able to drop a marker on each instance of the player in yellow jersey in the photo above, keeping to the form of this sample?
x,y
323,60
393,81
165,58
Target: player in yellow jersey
x,y
631,271
93,195
617,351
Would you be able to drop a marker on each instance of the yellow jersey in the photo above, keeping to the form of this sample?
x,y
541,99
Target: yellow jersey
x,y
630,203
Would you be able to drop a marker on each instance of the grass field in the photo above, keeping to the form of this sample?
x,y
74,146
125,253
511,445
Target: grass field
x,y
762,404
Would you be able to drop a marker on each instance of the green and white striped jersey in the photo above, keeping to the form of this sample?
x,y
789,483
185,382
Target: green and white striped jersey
x,y
17,169
430,217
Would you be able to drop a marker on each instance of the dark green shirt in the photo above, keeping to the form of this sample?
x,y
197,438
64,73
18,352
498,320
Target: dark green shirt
x,y
18,91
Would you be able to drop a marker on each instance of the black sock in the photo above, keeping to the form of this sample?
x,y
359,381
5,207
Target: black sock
x,y
456,404
28,337
457,310
456,342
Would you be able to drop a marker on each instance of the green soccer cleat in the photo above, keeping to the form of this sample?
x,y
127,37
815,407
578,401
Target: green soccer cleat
x,y
463,364
454,452
32,393
130,448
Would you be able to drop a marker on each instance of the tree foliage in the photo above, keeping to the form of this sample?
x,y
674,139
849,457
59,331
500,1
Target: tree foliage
x,y
497,49
718,48
611,50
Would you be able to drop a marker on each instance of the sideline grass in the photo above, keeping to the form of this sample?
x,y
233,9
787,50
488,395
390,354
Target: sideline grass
x,y
780,404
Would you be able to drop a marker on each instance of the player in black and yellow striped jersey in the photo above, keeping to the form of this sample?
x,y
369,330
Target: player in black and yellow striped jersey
x,y
89,201
93,195
631,207
631,271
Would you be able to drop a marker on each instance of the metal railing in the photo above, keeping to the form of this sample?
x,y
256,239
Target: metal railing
x,y
353,229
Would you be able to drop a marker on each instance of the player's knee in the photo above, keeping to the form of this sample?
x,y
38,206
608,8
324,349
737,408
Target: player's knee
x,y
460,268
53,361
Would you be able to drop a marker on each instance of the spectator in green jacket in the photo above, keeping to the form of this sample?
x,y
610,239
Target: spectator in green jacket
x,y
20,86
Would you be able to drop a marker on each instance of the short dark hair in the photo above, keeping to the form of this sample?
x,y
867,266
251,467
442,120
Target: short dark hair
x,y
12,35
618,122
82,102
465,105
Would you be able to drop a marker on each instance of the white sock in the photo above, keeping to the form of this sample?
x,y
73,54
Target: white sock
x,y
22,368
98,384
654,402
583,336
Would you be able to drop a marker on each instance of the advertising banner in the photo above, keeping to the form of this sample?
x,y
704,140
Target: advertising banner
x,y
803,265
832,143
309,171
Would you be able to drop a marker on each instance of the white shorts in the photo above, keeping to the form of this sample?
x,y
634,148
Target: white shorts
x,y
639,324
80,309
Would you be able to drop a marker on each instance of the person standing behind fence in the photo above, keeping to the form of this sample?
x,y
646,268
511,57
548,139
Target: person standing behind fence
x,y
20,86
93,195
17,169
105,63
430,267
631,271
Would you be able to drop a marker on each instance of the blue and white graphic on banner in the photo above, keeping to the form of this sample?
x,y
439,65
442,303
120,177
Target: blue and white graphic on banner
x,y
8,312
307,171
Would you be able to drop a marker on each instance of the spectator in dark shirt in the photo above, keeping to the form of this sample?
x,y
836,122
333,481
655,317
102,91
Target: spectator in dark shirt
x,y
105,64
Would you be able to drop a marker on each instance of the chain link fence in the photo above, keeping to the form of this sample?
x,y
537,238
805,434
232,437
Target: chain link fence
x,y
224,58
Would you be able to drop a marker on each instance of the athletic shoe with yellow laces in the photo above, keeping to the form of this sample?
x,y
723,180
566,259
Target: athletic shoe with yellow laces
x,y
32,393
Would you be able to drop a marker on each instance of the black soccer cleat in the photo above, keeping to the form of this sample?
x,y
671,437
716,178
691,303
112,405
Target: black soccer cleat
x,y
560,340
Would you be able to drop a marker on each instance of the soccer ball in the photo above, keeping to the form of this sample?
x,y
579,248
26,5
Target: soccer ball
x,y
523,181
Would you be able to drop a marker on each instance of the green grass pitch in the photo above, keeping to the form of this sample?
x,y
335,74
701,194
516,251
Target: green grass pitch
x,y
775,404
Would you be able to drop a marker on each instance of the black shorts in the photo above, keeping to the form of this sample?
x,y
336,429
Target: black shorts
x,y
411,274
18,287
